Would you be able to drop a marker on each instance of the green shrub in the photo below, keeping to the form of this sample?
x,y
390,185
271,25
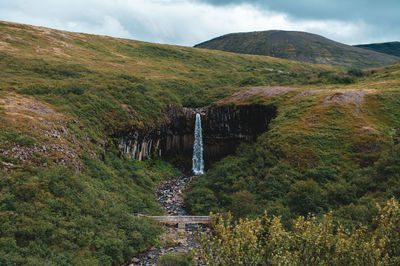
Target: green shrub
x,y
250,81
66,217
200,201
306,197
176,259
355,72
242,203
335,78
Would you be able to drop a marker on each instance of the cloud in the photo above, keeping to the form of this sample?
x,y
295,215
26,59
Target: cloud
x,y
187,22
344,10
379,19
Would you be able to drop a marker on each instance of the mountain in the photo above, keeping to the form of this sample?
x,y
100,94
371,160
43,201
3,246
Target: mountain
x,y
90,124
390,48
301,46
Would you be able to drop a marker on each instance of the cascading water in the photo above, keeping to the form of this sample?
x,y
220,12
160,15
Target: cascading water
x,y
198,162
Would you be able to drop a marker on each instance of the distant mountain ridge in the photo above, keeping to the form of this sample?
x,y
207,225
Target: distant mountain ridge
x,y
300,46
390,48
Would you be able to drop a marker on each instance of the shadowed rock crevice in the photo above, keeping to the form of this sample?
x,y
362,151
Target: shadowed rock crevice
x,y
224,128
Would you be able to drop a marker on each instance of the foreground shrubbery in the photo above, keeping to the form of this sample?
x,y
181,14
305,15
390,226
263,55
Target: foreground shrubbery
x,y
57,217
311,241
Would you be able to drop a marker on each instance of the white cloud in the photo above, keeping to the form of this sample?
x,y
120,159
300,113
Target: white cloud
x,y
105,26
182,22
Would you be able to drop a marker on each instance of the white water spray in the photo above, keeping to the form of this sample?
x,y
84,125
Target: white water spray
x,y
198,163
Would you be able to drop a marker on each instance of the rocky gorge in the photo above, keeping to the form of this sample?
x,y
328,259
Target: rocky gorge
x,y
169,194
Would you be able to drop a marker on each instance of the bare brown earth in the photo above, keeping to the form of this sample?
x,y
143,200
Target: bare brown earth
x,y
17,106
247,94
42,123
338,96
341,96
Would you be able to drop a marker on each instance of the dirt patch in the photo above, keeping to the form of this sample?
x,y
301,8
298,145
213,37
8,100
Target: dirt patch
x,y
341,96
52,32
347,96
58,40
48,128
368,130
59,52
7,46
120,55
15,105
246,94
10,37
306,93
141,63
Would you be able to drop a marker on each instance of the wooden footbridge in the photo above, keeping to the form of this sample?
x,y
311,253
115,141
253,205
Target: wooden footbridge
x,y
181,220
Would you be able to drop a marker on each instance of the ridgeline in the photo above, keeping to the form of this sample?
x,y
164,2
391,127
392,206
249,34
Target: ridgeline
x,y
300,46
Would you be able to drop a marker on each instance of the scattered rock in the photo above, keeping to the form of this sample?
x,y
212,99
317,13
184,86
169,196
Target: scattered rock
x,y
169,195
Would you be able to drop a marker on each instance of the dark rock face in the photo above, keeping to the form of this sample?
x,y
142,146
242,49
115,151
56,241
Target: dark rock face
x,y
224,128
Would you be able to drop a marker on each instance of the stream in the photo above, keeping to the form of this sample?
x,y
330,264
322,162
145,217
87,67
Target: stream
x,y
169,194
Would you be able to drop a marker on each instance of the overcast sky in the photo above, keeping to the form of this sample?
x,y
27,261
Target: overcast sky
x,y
188,22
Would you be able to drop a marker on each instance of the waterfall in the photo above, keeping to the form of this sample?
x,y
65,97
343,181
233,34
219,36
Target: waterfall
x,y
198,163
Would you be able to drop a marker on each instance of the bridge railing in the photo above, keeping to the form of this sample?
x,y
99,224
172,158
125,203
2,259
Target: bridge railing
x,y
179,219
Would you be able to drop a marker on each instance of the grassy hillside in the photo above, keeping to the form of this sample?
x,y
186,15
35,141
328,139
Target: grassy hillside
x,y
331,148
390,48
68,196
301,46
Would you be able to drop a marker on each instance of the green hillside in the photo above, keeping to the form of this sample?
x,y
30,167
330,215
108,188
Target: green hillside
x,y
67,194
300,46
331,148
390,48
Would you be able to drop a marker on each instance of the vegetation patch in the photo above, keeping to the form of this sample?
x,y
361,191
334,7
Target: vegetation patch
x,y
176,259
86,218
310,241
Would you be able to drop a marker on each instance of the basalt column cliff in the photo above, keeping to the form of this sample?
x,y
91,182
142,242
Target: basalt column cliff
x,y
224,128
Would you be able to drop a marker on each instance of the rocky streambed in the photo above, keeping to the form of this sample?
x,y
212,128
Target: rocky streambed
x,y
170,196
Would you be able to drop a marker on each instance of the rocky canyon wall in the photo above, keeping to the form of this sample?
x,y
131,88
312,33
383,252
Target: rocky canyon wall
x,y
224,128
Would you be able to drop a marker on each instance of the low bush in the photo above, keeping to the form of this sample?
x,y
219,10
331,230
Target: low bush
x,y
355,72
176,259
200,200
67,218
311,241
